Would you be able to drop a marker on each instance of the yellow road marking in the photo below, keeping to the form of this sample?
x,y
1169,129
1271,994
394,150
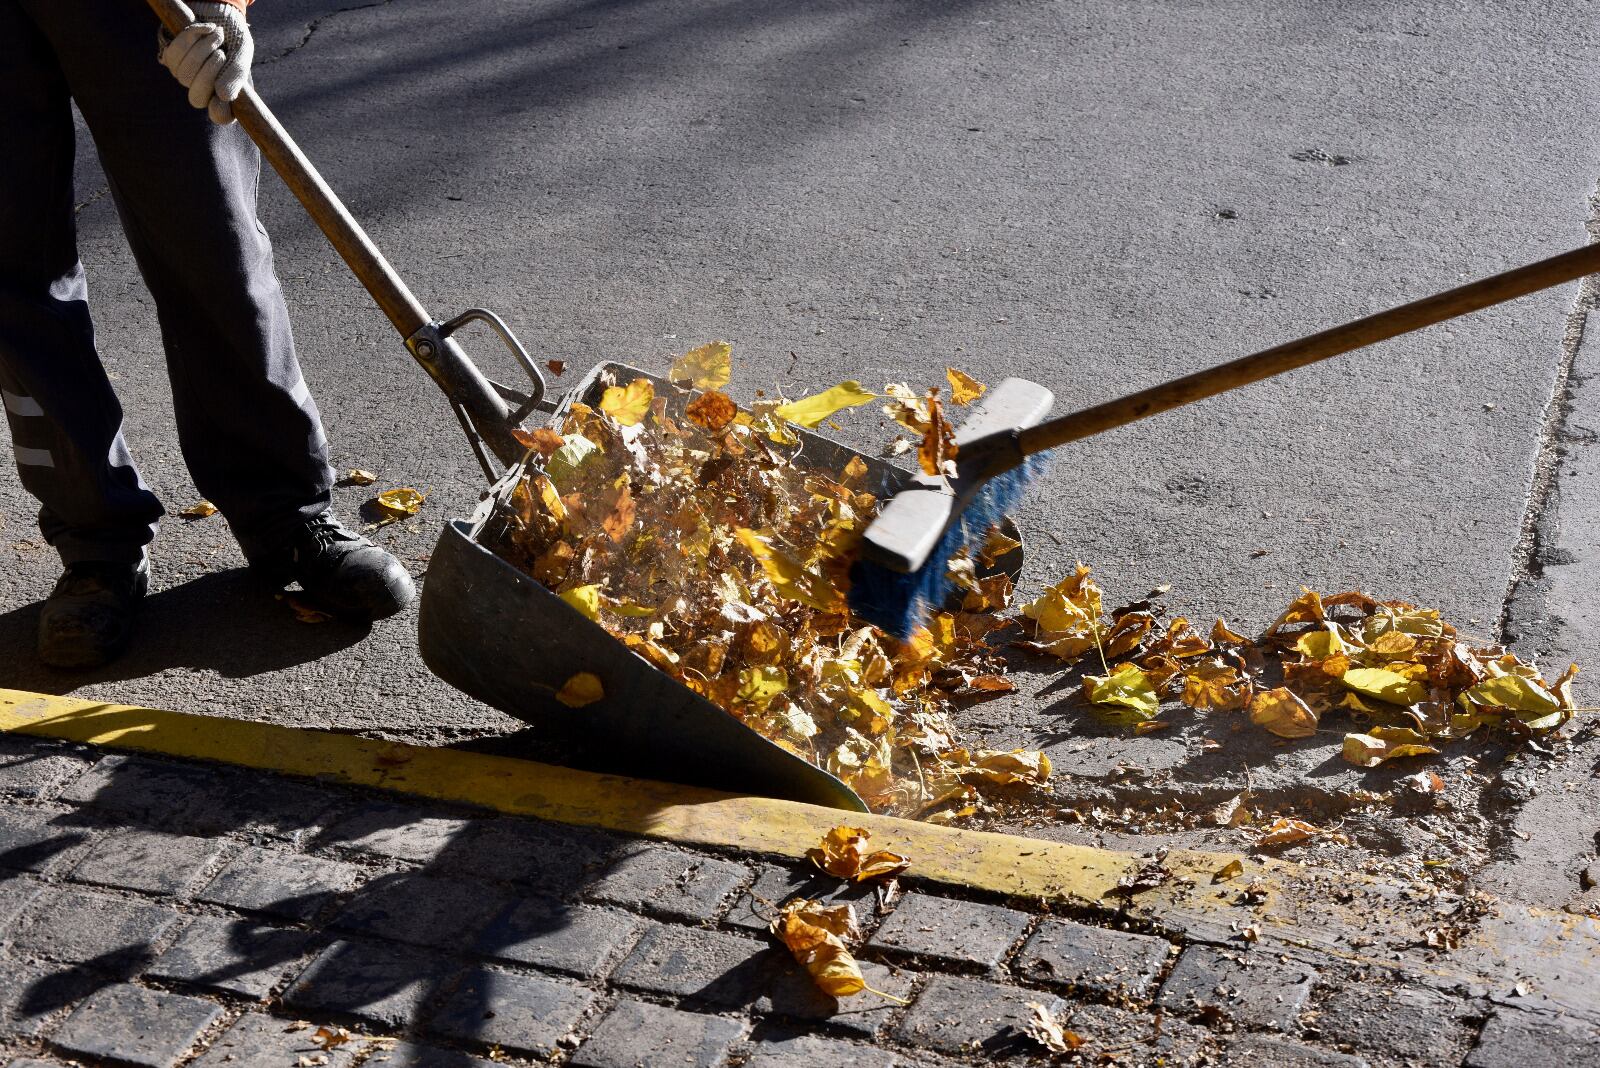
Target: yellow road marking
x,y
1289,906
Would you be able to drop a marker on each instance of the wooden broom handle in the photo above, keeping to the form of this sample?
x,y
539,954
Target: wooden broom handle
x,y
321,203
1450,304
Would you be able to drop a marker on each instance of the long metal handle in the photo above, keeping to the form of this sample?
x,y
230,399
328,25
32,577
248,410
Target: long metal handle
x,y
446,364
1370,330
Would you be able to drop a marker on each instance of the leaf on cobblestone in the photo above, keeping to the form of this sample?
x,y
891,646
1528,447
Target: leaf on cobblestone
x,y
1382,744
819,937
1286,830
843,854
582,689
1043,1027
330,1037
199,510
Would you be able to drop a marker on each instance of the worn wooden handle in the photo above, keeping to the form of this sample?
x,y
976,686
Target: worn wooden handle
x,y
321,203
1450,304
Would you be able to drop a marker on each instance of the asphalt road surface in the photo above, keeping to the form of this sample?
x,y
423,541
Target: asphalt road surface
x,y
1095,195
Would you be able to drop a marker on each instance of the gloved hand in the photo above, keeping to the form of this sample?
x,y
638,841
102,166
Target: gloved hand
x,y
211,58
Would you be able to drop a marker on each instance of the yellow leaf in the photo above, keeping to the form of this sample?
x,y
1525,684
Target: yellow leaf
x,y
1382,744
759,685
999,766
809,411
585,599
1385,685
789,577
582,689
1126,688
1529,701
964,389
1231,870
854,469
358,476
1283,713
563,464
399,502
1210,683
199,510
628,404
708,367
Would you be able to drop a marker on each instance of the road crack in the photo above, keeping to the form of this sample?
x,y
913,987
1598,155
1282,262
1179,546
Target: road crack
x,y
316,24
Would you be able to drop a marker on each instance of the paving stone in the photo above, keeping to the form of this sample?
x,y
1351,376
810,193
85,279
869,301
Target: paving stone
x,y
638,1035
958,1015
755,908
37,841
160,796
258,1041
522,1013
721,969
1108,963
252,801
147,860
809,1051
1516,1039
408,832
34,769
237,956
1413,1025
577,940
106,933
669,882
131,1025
30,994
429,910
1246,988
412,1055
790,992
292,885
384,985
1254,1051
951,931
553,861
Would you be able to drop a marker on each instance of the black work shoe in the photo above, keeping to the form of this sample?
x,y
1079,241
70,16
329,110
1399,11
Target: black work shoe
x,y
345,572
88,618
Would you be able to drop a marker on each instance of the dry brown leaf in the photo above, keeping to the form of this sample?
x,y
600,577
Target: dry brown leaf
x,y
818,937
360,476
1043,1027
541,440
1285,831
937,453
711,410
843,853
199,510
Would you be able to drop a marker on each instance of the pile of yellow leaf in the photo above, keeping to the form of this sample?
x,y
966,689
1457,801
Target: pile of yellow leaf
x,y
699,536
1401,671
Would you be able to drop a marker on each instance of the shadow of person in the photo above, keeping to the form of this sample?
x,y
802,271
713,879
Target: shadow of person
x,y
223,621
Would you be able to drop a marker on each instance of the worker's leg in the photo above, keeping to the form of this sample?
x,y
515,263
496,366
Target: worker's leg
x,y
65,420
186,191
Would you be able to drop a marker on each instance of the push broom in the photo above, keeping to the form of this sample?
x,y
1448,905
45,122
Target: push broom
x,y
902,572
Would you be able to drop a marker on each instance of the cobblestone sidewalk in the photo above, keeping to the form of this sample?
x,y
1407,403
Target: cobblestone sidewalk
x,y
158,912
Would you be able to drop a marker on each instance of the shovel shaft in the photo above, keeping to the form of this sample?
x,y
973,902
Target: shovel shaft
x,y
1450,304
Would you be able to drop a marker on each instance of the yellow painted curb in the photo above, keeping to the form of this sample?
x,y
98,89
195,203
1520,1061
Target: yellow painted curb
x,y
1003,864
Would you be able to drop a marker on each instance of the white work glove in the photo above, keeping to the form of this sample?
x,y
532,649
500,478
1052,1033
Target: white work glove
x,y
211,57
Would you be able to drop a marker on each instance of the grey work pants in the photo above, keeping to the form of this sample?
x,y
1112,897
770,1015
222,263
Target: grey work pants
x,y
185,190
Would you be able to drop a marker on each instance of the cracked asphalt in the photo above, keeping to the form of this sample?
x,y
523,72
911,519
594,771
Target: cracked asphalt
x,y
1096,195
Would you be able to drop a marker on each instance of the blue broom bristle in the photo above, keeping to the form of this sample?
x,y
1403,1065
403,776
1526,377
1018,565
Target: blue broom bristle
x,y
898,603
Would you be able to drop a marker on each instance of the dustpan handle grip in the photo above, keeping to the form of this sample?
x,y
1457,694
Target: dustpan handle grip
x,y
321,203
1370,330
484,414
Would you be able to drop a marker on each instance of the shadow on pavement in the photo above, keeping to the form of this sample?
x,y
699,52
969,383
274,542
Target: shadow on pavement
x,y
221,622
